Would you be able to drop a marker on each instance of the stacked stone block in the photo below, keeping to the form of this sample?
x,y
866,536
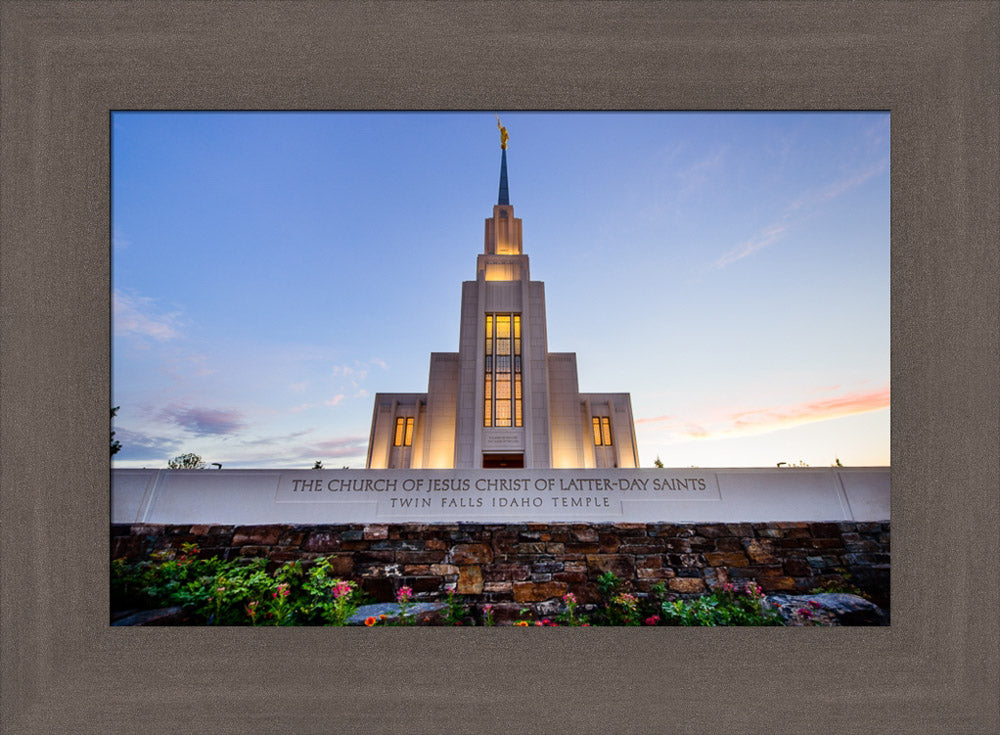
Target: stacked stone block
x,y
536,564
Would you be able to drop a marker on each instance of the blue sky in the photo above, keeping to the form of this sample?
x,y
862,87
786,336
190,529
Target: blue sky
x,y
272,271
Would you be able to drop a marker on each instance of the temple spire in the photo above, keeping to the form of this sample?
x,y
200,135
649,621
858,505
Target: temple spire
x,y
504,196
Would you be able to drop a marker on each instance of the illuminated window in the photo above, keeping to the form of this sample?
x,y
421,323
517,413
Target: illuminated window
x,y
502,371
404,432
602,431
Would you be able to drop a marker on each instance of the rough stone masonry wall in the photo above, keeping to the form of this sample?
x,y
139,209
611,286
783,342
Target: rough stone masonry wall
x,y
535,563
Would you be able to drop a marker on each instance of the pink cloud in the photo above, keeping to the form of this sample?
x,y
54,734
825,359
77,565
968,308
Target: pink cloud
x,y
129,315
655,419
810,411
763,420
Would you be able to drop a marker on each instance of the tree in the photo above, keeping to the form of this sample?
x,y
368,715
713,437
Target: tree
x,y
658,462
189,461
318,465
116,446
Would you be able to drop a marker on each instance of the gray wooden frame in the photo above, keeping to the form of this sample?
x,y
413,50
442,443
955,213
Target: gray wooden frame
x,y
64,66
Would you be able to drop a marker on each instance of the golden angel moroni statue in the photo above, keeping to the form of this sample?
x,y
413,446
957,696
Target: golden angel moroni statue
x,y
503,134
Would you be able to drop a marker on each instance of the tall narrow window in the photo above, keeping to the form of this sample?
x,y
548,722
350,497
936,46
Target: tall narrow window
x,y
502,371
404,432
602,431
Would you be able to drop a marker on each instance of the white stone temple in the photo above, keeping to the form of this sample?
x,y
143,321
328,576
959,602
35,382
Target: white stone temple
x,y
503,400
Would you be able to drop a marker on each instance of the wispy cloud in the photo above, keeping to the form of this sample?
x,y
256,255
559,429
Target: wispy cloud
x,y
331,402
834,189
656,419
204,421
273,440
201,367
356,372
698,174
295,447
135,315
771,418
768,236
798,208
810,411
135,443
338,448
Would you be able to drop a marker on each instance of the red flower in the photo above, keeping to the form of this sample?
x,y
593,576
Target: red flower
x,y
370,621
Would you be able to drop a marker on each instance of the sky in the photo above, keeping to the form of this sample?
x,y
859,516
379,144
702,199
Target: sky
x,y
271,272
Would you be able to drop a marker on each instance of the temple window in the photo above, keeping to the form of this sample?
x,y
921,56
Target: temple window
x,y
502,372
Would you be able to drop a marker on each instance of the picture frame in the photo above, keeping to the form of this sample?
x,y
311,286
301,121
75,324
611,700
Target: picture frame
x,y
66,65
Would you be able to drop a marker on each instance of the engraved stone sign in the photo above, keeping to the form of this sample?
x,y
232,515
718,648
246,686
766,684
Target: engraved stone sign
x,y
499,496
505,439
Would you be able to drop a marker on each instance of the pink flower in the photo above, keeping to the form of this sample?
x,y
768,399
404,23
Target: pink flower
x,y
652,620
815,603
569,597
341,589
404,594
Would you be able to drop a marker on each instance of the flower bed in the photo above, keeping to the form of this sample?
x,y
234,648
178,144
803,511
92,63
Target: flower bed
x,y
250,591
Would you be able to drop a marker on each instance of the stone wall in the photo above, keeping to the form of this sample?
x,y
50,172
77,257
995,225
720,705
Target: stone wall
x,y
530,564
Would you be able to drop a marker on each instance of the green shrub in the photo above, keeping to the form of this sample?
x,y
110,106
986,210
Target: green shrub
x,y
727,605
457,612
214,591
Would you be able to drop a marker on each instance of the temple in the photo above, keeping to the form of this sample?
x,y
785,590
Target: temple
x,y
503,400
